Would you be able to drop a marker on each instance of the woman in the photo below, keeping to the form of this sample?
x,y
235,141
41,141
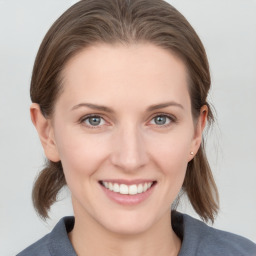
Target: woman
x,y
119,91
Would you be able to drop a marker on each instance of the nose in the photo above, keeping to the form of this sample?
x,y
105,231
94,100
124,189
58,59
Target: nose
x,y
129,152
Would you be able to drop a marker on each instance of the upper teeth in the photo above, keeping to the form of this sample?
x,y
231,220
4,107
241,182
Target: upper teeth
x,y
127,189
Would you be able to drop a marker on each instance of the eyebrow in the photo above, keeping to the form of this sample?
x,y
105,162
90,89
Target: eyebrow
x,y
164,105
109,110
93,106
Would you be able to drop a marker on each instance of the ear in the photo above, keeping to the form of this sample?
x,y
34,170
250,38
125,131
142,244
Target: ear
x,y
45,132
199,128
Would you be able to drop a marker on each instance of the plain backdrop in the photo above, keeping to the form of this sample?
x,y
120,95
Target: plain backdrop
x,y
228,31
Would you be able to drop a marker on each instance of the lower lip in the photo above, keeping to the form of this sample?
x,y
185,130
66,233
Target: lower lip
x,y
128,199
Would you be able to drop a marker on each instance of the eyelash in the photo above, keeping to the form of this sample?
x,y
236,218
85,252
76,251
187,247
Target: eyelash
x,y
171,118
83,119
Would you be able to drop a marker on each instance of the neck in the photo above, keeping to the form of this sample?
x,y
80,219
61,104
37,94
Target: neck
x,y
89,238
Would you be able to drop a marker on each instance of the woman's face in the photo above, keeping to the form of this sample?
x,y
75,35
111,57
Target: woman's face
x,y
124,123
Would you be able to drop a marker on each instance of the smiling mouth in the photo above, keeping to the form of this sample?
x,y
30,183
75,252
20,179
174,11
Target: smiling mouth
x,y
124,189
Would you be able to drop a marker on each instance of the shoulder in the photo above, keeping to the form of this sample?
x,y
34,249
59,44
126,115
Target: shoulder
x,y
55,243
39,248
224,243
200,239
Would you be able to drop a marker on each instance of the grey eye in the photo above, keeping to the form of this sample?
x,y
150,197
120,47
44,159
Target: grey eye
x,y
94,121
160,120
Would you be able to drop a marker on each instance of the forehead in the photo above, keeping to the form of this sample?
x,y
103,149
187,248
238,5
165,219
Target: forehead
x,y
143,72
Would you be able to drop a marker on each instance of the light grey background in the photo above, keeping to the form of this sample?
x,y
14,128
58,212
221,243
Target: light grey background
x,y
228,31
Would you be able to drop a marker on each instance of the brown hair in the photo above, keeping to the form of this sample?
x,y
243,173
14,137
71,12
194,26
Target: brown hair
x,y
126,22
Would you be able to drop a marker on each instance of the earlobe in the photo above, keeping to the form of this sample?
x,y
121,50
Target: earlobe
x,y
201,123
45,132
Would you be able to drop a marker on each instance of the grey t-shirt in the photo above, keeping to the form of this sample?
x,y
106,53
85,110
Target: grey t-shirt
x,y
198,239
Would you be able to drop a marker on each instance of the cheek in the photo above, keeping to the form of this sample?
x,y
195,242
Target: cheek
x,y
170,157
80,155
172,151
173,165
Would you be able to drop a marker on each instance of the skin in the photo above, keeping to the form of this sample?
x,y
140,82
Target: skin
x,y
127,144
